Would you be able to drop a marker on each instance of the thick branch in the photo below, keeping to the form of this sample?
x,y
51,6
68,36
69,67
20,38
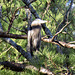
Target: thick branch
x,y
21,67
15,36
13,66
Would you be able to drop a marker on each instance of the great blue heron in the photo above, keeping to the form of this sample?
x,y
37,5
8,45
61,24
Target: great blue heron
x,y
34,35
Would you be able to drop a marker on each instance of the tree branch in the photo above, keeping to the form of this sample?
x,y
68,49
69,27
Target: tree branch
x,y
60,43
21,67
15,36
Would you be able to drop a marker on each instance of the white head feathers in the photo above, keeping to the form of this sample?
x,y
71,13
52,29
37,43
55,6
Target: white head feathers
x,y
38,22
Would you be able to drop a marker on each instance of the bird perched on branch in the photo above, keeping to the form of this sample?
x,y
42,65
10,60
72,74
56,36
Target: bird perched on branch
x,y
34,35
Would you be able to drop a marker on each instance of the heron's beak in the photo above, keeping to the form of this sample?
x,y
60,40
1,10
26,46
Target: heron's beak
x,y
42,21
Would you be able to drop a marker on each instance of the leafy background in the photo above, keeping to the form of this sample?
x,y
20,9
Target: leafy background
x,y
49,57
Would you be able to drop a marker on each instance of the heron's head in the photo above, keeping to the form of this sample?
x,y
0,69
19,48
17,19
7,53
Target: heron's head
x,y
38,22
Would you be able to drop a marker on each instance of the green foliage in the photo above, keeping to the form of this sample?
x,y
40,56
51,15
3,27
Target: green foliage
x,y
9,72
48,56
3,53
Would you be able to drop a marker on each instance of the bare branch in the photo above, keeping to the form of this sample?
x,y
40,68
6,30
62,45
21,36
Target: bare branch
x,y
64,21
59,31
13,66
24,31
41,70
60,43
72,42
15,36
5,51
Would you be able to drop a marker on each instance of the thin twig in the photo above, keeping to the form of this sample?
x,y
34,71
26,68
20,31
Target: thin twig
x,y
72,42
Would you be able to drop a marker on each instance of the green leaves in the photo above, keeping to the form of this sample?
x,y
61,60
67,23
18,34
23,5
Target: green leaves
x,y
4,52
48,55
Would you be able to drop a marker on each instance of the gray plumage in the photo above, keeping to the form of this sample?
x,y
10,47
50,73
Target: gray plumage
x,y
34,35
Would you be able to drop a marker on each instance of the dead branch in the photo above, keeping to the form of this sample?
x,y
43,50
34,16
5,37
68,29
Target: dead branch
x,y
67,45
67,33
60,43
41,70
23,31
53,18
5,50
64,21
46,71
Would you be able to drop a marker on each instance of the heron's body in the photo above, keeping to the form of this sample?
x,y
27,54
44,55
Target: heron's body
x,y
34,35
